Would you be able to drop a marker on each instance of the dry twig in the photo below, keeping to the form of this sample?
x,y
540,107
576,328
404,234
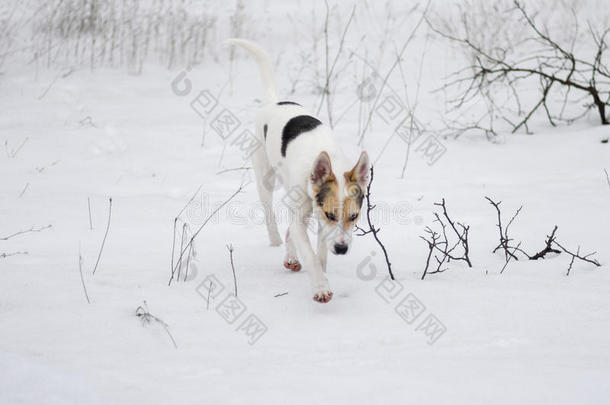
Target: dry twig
x,y
5,255
551,245
146,317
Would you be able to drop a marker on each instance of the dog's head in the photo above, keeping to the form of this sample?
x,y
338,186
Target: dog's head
x,y
338,200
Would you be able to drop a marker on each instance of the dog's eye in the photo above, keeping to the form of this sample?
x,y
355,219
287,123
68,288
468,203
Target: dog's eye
x,y
330,216
353,217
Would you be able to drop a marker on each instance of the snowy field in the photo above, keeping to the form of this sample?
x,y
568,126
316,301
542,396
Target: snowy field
x,y
74,137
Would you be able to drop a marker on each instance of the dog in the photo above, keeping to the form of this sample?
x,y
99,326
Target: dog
x,y
301,151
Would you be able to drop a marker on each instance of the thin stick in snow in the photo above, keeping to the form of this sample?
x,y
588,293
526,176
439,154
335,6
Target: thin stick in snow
x,y
188,262
32,229
182,238
234,169
105,235
5,255
24,190
173,246
230,248
89,206
207,306
607,177
80,270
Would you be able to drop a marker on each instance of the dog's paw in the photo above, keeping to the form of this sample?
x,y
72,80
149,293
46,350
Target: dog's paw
x,y
292,264
323,296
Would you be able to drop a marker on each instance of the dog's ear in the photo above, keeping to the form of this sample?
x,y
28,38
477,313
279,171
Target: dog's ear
x,y
322,170
360,173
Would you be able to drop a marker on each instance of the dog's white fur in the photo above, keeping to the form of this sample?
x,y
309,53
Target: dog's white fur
x,y
303,155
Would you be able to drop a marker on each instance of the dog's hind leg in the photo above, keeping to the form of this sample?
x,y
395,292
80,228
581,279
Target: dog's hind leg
x,y
265,184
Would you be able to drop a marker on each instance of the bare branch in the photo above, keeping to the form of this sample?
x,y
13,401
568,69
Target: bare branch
x,y
461,234
585,258
555,67
32,229
372,229
548,248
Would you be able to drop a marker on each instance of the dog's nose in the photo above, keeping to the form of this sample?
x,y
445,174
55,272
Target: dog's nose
x,y
340,248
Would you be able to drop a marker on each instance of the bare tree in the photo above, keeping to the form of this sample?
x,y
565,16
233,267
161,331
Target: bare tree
x,y
553,67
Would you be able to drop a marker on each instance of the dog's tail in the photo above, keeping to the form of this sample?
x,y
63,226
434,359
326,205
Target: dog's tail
x,y
264,65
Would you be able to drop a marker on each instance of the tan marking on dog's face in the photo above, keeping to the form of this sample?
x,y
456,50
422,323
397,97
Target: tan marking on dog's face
x,y
352,203
327,198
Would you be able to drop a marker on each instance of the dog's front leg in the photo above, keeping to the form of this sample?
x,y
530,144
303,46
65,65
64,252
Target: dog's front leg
x,y
298,233
322,249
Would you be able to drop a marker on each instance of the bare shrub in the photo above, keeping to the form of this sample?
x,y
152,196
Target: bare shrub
x,y
523,61
113,33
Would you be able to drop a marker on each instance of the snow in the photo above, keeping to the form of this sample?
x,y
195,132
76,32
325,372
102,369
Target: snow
x,y
531,335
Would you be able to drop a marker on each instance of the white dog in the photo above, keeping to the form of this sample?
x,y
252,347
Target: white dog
x,y
303,154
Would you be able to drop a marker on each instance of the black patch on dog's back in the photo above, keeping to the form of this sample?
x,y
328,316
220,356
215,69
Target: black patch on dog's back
x,y
265,131
288,103
295,127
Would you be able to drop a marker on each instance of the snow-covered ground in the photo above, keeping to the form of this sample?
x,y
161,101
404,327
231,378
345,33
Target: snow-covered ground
x,y
531,335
